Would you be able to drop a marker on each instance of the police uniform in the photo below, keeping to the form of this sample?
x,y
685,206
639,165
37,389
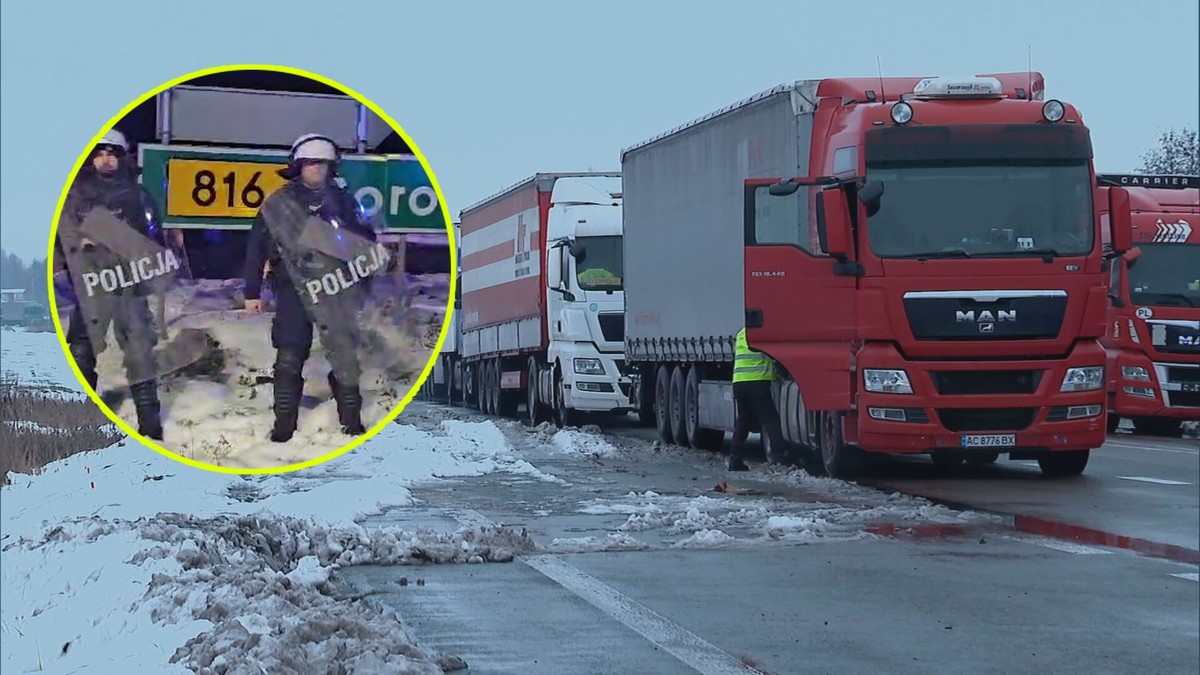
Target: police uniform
x,y
126,310
753,373
291,264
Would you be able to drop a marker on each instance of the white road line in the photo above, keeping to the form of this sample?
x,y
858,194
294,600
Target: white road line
x,y
1064,546
1156,481
665,634
1137,446
1190,576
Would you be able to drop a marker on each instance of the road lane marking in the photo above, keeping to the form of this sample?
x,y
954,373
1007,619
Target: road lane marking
x,y
1064,546
1190,576
1156,481
701,655
1138,446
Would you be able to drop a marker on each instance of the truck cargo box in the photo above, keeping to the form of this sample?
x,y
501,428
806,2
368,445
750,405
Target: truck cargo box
x,y
684,221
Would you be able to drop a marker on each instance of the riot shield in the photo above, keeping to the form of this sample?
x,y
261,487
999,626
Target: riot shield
x,y
331,269
114,271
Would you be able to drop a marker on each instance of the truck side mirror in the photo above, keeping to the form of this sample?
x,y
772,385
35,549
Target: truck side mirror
x,y
833,219
554,269
578,250
1120,220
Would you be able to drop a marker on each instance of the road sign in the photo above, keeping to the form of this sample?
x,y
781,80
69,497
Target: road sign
x,y
222,188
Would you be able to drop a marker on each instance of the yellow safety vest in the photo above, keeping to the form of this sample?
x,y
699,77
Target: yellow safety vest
x,y
750,365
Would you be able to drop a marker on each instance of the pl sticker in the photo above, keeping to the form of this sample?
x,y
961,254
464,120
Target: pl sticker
x,y
1144,312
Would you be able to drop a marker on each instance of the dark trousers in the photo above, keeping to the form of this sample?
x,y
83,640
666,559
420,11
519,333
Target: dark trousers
x,y
135,331
754,404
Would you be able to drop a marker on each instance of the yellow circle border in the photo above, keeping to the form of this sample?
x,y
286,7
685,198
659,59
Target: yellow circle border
x,y
417,385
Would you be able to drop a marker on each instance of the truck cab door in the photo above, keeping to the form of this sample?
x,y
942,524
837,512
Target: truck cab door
x,y
801,275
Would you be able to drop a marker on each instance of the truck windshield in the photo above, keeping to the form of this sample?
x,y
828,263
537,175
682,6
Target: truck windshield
x,y
958,209
602,265
1166,275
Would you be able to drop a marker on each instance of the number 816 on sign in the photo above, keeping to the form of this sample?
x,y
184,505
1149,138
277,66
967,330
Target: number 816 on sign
x,y
206,188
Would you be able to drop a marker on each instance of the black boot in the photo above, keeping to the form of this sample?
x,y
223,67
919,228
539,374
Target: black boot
x,y
145,401
349,407
736,463
85,359
289,387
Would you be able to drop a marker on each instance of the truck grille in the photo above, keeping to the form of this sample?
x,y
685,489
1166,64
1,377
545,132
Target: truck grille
x,y
612,327
1183,399
986,419
969,382
960,318
1181,375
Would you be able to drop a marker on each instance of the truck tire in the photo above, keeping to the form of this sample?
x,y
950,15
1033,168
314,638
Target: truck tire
x,y
566,416
1159,427
678,403
477,380
1063,464
839,460
533,408
1114,422
645,411
508,401
698,436
662,404
492,384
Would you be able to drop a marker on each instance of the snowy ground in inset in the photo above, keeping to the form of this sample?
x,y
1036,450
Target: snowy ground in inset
x,y
225,420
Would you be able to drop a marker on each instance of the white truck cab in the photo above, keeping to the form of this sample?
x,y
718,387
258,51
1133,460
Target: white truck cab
x,y
585,299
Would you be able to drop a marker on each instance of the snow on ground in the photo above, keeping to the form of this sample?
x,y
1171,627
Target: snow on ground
x,y
160,560
122,560
37,360
576,442
225,421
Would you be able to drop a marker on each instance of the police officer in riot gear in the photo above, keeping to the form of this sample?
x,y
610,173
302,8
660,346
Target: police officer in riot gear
x,y
313,193
109,181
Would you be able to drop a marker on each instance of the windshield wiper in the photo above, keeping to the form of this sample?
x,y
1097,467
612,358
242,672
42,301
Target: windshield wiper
x,y
1163,296
1029,251
946,253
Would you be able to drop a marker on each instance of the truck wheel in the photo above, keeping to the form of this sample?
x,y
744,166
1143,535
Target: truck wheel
x,y
662,404
840,460
507,400
645,392
477,380
566,416
1158,427
698,436
946,460
1061,464
678,401
534,412
1114,422
493,384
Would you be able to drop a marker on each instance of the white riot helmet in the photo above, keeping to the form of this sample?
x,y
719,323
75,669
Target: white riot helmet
x,y
311,148
314,147
115,141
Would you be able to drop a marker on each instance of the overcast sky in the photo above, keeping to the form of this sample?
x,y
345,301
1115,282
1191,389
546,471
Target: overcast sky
x,y
494,91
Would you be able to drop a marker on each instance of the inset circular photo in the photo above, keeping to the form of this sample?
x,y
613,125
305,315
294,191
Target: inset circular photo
x,y
251,269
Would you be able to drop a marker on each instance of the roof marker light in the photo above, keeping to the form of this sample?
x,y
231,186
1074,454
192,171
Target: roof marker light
x,y
1053,110
902,113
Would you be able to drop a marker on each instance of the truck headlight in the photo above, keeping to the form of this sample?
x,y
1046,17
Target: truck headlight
x,y
1089,378
1135,373
589,367
887,381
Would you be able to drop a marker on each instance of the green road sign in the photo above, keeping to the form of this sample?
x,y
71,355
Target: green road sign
x,y
222,188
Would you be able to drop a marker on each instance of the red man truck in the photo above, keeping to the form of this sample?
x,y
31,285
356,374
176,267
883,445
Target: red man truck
x,y
1153,336
921,258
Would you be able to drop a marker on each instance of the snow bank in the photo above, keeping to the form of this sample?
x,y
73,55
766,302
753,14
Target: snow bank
x,y
575,442
37,359
122,560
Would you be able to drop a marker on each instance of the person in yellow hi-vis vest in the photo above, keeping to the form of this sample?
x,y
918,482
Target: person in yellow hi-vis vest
x,y
753,373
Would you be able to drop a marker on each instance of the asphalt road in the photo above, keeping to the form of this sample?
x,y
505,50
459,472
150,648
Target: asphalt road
x,y
804,574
